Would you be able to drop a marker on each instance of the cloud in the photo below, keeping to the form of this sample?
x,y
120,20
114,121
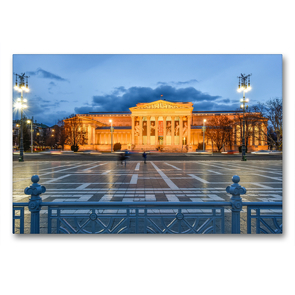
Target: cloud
x,y
179,83
51,84
40,73
133,95
225,100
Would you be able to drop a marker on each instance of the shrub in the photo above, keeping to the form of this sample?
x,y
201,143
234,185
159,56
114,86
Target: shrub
x,y
74,148
117,146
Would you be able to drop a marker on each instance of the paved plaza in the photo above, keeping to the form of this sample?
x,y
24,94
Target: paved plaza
x,y
175,181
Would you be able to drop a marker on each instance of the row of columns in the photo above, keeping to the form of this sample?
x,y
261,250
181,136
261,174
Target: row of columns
x,y
189,118
105,137
255,134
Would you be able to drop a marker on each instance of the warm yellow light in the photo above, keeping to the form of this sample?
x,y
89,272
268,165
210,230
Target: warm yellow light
x,y
17,125
25,106
17,105
27,89
241,100
247,100
52,130
242,106
18,99
16,87
204,120
28,121
25,100
110,121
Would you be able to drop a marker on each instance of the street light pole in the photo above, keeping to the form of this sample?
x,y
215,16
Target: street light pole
x,y
31,121
19,104
204,128
245,88
111,121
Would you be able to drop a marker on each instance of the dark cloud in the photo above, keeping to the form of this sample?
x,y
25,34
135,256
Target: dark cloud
x,y
40,73
132,96
44,111
119,90
225,100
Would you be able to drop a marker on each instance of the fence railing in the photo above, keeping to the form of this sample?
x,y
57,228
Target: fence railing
x,y
145,217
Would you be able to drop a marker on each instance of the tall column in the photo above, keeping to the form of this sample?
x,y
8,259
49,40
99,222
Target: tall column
x,y
89,141
148,129
93,135
156,133
172,130
189,122
180,131
140,130
132,130
164,130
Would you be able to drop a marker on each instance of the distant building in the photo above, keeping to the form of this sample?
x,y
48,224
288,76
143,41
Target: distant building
x,y
38,134
174,126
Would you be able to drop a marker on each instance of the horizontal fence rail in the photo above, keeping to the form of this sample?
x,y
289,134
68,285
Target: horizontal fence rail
x,y
146,217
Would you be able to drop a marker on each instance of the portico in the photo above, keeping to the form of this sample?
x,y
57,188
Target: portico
x,y
161,123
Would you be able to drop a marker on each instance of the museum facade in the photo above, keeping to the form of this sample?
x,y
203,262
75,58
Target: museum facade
x,y
173,126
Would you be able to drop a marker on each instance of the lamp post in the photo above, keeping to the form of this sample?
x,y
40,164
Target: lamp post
x,y
243,79
111,121
31,121
204,128
17,125
20,104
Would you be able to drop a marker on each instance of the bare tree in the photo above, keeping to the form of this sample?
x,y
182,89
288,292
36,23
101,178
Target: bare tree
x,y
75,133
253,119
273,111
219,130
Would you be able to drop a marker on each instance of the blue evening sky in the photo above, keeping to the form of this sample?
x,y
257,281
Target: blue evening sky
x,y
65,84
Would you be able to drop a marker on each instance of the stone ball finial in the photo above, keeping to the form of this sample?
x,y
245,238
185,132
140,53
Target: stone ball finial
x,y
35,178
236,179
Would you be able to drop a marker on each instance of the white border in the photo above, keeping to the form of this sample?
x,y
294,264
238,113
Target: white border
x,y
146,265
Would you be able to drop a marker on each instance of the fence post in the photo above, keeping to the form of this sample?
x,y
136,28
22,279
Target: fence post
x,y
236,201
35,203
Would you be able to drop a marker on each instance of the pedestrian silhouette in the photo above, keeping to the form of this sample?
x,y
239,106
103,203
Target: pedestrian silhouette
x,y
144,157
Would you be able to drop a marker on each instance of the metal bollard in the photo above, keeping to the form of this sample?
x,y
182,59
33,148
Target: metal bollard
x,y
236,190
35,190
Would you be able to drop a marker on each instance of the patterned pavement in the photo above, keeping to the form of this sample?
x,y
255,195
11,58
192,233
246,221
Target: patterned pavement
x,y
175,181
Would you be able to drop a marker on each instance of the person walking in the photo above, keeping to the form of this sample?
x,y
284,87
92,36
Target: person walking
x,y
144,157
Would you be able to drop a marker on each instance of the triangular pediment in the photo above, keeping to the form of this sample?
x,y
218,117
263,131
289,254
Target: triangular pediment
x,y
162,104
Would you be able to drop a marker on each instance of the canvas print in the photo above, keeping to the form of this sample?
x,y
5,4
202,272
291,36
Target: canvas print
x,y
147,144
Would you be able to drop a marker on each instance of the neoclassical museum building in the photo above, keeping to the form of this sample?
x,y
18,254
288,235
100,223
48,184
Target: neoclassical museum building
x,y
174,126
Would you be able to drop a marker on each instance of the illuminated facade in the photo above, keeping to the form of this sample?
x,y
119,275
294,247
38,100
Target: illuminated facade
x,y
174,126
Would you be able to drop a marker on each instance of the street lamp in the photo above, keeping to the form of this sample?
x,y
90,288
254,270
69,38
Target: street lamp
x,y
111,121
31,121
204,128
20,104
243,80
